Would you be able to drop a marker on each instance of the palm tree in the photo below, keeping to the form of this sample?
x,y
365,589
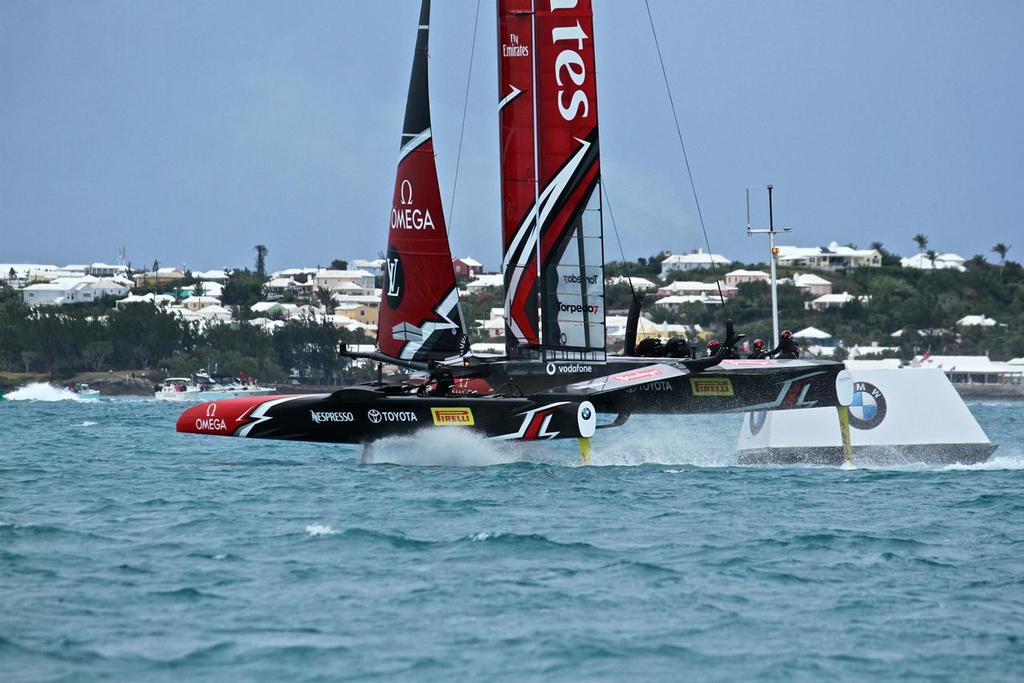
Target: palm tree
x,y
1001,250
933,257
325,297
922,241
261,260
156,274
877,246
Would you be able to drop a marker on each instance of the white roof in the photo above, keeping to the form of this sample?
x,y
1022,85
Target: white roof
x,y
210,275
697,257
975,364
372,264
214,310
491,324
263,306
808,279
748,273
470,262
922,262
676,299
812,333
638,283
487,280
843,298
791,253
976,321
690,286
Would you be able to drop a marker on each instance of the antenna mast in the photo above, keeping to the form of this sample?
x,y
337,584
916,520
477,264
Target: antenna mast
x,y
773,252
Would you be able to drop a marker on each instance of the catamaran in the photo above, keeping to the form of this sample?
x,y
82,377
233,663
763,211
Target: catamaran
x,y
556,377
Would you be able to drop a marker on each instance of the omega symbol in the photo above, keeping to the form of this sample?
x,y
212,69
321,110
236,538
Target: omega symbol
x,y
406,193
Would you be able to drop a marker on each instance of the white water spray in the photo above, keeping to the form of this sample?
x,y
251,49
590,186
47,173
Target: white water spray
x,y
41,391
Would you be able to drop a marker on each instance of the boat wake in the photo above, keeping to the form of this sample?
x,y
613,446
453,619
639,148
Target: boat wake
x,y
443,448
41,391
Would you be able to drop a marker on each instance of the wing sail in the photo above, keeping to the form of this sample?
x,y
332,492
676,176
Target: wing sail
x,y
420,318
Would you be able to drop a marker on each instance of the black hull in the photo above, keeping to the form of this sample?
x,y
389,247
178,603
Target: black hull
x,y
667,387
363,415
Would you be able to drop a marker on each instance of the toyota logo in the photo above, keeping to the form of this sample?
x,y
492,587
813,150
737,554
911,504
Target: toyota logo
x,y
375,416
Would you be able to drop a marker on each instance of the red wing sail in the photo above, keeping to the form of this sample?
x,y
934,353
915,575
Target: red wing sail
x,y
419,311
563,103
518,173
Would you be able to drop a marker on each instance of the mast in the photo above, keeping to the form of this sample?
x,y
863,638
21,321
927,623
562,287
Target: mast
x,y
419,318
773,252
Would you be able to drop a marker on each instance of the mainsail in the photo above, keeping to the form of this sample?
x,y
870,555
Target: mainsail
x,y
550,177
419,318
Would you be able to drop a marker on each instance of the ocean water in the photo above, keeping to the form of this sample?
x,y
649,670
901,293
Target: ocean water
x,y
130,552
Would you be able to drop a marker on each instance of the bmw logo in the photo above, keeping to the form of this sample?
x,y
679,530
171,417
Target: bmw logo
x,y
586,413
757,419
375,416
867,410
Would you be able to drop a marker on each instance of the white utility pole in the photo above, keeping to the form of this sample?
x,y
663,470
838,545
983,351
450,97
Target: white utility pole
x,y
772,253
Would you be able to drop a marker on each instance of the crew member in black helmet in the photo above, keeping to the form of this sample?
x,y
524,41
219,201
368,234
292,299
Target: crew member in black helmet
x,y
759,351
787,348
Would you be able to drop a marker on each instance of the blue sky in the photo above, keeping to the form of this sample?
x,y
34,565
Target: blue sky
x,y
190,131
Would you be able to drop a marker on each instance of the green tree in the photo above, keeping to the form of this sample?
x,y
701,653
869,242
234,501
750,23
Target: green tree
x,y
922,241
261,260
1001,249
339,264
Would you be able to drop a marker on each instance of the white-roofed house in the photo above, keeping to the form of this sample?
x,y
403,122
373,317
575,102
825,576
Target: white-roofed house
x,y
106,270
207,288
833,257
77,290
833,301
736,277
467,266
973,369
692,288
692,261
485,280
332,279
197,303
640,284
812,284
372,265
211,275
976,321
942,261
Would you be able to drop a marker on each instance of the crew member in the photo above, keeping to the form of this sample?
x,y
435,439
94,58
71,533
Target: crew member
x,y
713,347
787,348
759,351
676,347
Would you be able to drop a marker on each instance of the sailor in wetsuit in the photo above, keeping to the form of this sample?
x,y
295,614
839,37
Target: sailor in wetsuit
x,y
787,348
728,352
759,351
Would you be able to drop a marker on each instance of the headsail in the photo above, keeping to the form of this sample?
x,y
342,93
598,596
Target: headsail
x,y
419,310
551,176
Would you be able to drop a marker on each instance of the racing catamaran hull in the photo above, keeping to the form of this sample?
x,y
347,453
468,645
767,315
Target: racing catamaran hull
x,y
360,415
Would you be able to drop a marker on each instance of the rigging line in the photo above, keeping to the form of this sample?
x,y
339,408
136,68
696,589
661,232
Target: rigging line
x,y
462,128
615,229
682,145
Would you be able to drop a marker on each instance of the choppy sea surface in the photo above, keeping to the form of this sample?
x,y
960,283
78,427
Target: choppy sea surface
x,y
130,552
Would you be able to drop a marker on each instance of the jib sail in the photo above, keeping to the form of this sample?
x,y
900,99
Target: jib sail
x,y
419,312
550,177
